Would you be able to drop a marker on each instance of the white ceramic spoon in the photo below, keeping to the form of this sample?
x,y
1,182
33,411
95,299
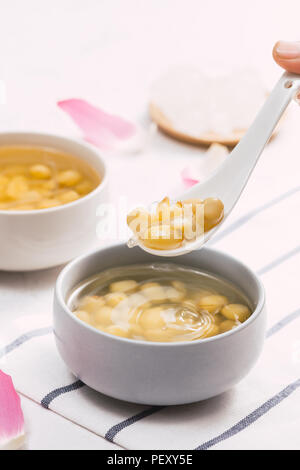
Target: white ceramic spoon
x,y
228,182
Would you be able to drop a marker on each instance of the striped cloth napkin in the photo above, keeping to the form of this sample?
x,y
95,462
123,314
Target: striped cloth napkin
x,y
261,412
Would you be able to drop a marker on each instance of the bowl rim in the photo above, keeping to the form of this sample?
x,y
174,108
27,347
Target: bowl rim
x,y
80,143
143,343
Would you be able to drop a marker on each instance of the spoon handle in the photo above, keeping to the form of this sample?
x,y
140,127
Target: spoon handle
x,y
252,144
231,178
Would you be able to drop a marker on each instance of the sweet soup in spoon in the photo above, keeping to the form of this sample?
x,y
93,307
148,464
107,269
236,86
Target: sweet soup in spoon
x,y
170,226
33,178
159,302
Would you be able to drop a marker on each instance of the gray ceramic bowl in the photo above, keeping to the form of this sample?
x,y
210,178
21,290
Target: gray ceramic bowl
x,y
158,373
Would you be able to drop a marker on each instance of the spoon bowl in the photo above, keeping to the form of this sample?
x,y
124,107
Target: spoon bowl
x,y
230,179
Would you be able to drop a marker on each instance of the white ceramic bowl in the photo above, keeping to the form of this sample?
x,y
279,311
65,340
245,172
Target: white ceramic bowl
x,y
31,240
158,373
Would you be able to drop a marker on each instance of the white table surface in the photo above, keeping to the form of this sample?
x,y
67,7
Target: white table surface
x,y
108,52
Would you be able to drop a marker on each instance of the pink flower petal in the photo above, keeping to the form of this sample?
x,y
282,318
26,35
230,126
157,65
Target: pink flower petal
x,y
187,179
11,416
99,127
